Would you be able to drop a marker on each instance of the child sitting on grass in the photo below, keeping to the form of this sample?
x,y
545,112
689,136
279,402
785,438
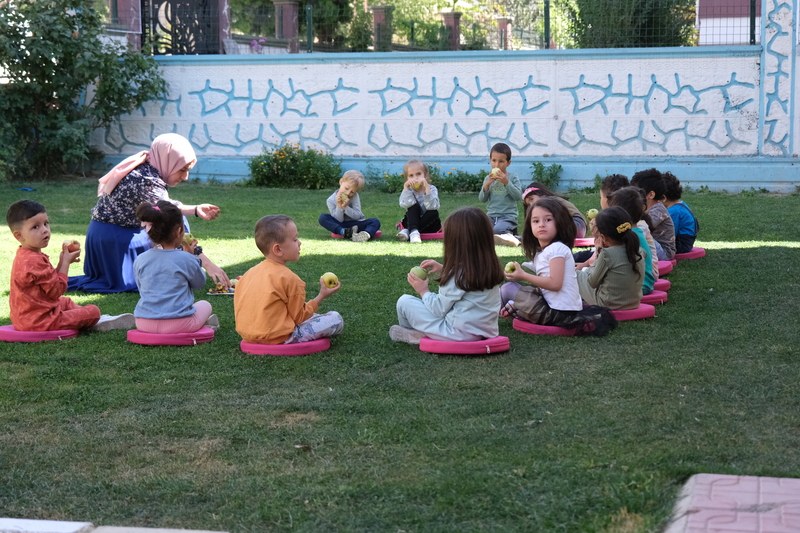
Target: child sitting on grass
x,y
630,199
167,274
345,217
420,199
615,280
552,298
686,225
652,183
465,308
501,191
270,301
35,298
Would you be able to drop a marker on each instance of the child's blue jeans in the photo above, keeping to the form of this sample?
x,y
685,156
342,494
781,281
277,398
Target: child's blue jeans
x,y
370,225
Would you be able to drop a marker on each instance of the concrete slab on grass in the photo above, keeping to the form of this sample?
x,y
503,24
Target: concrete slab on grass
x,y
715,503
112,529
20,525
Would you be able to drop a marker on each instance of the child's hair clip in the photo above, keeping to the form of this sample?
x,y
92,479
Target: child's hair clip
x,y
622,228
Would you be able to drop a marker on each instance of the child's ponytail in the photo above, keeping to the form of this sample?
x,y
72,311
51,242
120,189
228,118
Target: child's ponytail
x,y
164,217
614,224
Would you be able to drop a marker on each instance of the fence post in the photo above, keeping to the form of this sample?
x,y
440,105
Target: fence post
x,y
547,24
382,28
452,20
752,21
309,28
413,40
287,24
503,32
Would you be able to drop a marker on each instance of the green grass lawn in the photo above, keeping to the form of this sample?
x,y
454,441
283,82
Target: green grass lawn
x,y
559,434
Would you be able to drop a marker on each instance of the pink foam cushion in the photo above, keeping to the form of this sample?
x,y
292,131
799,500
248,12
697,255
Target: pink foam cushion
x,y
298,348
9,334
662,285
377,235
171,339
665,267
496,344
426,236
535,329
584,242
655,297
694,253
643,311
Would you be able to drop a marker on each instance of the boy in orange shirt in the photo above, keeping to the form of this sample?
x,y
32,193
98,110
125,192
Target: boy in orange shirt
x,y
35,298
270,300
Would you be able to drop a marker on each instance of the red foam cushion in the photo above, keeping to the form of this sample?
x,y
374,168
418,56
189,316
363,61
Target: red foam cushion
x,y
426,236
694,253
655,297
643,311
298,348
9,334
171,339
377,235
535,329
493,345
662,285
665,267
588,241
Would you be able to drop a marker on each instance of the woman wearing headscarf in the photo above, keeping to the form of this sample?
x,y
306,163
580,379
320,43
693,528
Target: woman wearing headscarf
x,y
115,236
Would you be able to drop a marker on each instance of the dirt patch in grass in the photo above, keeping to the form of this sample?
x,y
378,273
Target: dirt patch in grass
x,y
290,420
625,522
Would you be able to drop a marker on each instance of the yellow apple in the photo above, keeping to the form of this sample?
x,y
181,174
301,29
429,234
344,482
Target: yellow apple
x,y
495,171
330,280
591,213
510,267
420,272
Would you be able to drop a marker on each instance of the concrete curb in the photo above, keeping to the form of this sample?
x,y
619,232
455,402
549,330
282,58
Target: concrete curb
x,y
22,525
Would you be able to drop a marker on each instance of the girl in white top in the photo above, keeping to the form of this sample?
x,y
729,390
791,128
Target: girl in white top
x,y
552,298
420,199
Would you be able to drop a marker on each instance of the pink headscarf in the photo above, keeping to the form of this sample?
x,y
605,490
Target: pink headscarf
x,y
168,153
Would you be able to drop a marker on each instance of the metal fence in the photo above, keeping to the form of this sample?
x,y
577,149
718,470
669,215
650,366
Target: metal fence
x,y
259,27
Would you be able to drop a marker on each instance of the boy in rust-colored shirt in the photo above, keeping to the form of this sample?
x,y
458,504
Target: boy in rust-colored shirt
x,y
270,300
35,297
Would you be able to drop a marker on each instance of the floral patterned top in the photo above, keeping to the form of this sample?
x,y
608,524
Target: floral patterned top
x,y
142,184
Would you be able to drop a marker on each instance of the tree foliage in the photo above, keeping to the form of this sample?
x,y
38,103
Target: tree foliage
x,y
64,81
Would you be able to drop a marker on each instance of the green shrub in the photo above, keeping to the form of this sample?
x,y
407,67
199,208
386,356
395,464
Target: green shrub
x,y
549,176
359,37
453,180
291,166
62,83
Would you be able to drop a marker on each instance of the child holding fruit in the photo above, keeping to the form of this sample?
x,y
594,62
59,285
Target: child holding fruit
x,y
536,190
35,299
270,301
167,274
552,298
420,199
501,191
345,217
615,280
651,181
631,200
465,308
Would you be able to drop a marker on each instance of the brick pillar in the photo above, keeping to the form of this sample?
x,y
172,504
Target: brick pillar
x,y
287,25
452,20
129,17
382,28
504,32
224,23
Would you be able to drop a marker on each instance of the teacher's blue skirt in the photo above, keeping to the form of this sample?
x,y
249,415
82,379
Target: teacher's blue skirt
x,y
108,262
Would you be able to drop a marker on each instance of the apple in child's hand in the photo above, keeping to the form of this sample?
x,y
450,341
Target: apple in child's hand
x,y
343,197
591,213
417,186
330,280
495,172
510,267
420,272
72,245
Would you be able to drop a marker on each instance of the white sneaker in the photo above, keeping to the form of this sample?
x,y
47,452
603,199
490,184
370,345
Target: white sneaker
x,y
414,237
506,239
402,235
360,236
108,322
212,322
401,334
